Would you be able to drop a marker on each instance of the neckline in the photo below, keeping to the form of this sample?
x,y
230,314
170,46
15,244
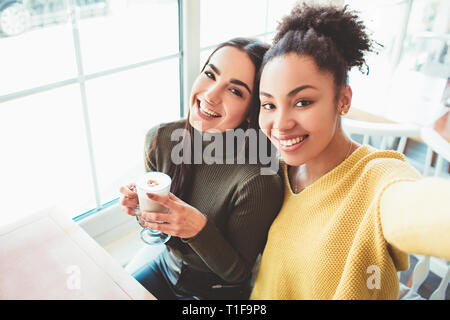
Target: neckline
x,y
349,161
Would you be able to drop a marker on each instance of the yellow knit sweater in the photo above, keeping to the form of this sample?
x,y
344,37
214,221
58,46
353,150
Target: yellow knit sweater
x,y
346,235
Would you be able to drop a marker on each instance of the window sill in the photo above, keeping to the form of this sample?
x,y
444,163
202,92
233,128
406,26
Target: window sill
x,y
115,231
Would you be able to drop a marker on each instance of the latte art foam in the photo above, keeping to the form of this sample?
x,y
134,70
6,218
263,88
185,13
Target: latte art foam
x,y
152,183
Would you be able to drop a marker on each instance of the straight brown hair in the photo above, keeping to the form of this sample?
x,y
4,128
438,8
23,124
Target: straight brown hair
x,y
182,173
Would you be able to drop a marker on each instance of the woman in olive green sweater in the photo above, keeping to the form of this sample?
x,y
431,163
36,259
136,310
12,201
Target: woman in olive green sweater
x,y
220,212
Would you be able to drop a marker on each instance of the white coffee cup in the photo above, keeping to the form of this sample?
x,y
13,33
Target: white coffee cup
x,y
153,182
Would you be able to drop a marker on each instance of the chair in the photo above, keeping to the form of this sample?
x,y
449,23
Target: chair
x,y
387,132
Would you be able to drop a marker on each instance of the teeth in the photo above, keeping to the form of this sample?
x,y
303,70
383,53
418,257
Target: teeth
x,y
208,112
291,142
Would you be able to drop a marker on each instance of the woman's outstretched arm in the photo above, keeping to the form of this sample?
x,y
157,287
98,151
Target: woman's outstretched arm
x,y
415,216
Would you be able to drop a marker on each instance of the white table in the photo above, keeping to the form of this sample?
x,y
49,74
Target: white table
x,y
48,256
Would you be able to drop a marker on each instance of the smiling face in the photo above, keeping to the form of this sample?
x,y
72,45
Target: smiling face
x,y
299,112
221,94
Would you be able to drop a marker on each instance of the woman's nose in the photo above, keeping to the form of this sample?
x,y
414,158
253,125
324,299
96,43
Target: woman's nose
x,y
213,94
284,121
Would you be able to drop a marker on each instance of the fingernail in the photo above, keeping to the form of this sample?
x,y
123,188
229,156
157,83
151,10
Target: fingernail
x,y
150,195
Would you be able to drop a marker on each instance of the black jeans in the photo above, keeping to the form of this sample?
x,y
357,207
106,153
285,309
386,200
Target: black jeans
x,y
167,278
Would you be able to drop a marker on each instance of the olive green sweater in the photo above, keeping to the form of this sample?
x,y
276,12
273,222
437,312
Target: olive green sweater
x,y
239,203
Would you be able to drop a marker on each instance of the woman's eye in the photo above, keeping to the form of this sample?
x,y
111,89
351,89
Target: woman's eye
x,y
267,106
303,103
210,75
236,92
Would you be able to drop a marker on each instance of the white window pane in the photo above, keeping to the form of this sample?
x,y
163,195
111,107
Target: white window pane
x,y
222,20
133,31
277,10
426,47
41,55
408,76
44,155
384,23
122,108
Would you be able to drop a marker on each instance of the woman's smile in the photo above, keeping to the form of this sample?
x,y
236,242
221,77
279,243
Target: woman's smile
x,y
290,143
204,112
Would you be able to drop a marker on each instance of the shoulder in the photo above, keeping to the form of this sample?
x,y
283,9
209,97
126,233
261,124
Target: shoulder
x,y
157,145
253,180
380,166
163,131
263,193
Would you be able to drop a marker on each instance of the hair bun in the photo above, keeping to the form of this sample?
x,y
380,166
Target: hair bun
x,y
340,25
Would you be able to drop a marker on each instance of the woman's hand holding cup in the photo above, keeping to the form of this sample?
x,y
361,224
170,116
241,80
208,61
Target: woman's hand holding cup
x,y
183,220
129,200
162,211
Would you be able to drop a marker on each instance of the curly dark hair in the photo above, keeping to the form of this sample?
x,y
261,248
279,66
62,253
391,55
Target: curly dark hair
x,y
334,37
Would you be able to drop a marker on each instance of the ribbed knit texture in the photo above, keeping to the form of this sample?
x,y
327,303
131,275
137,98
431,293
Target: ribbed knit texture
x,y
327,240
238,201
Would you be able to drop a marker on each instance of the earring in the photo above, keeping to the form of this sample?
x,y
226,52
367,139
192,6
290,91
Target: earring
x,y
343,112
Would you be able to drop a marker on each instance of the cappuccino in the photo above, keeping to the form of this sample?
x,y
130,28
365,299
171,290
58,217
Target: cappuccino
x,y
153,182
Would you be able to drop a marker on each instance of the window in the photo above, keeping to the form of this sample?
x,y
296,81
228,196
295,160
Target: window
x,y
407,77
223,20
81,82
44,153
120,119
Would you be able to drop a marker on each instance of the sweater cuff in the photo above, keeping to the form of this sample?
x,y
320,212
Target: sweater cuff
x,y
203,235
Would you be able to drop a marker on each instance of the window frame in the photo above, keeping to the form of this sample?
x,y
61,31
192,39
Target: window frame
x,y
81,80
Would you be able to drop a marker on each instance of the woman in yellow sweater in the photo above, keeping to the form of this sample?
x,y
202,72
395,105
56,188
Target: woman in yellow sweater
x,y
351,214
